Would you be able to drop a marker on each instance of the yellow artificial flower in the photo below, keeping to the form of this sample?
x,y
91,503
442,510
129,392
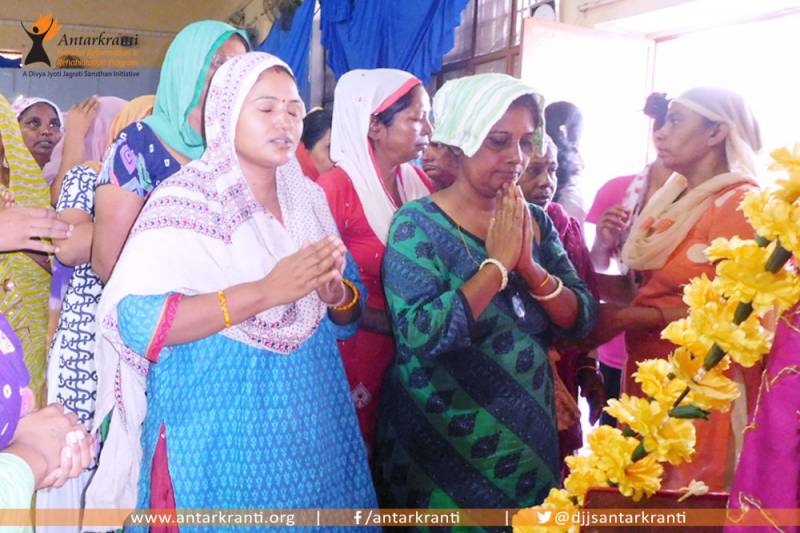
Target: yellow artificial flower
x,y
666,438
701,291
613,454
789,161
745,343
773,218
642,478
743,278
558,500
583,475
674,441
654,377
754,206
612,451
641,415
714,391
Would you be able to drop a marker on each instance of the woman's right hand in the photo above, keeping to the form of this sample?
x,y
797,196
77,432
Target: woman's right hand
x,y
21,228
504,239
54,444
306,270
81,116
611,225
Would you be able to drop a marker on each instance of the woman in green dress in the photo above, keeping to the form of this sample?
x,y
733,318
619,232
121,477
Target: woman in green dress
x,y
477,283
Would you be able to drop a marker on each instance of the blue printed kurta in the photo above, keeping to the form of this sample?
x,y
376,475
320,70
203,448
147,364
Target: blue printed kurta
x,y
249,428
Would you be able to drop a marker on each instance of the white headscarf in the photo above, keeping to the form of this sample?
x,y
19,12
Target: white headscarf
x,y
359,95
670,214
202,230
21,103
727,107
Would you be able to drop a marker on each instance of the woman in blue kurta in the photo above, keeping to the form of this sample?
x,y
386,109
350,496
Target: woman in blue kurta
x,y
233,289
477,282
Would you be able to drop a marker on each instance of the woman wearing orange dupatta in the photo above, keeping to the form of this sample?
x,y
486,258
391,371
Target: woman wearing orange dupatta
x,y
709,141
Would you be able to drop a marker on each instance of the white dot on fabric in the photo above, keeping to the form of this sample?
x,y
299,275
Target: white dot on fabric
x,y
5,428
6,391
697,253
166,162
6,347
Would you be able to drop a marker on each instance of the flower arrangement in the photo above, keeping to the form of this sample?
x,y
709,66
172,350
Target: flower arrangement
x,y
723,325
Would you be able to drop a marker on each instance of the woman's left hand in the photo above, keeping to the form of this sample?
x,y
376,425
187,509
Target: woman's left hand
x,y
526,262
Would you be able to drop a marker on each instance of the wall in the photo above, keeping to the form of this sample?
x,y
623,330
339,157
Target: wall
x,y
607,10
155,21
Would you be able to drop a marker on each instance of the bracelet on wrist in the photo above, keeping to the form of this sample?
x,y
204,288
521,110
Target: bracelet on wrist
x,y
501,267
352,303
556,292
544,281
223,305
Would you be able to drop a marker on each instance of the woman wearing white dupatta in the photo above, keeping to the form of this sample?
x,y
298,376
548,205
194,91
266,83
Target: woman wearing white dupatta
x,y
709,141
225,305
380,123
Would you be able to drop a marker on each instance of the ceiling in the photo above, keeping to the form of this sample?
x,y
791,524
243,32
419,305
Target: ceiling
x,y
700,14
159,16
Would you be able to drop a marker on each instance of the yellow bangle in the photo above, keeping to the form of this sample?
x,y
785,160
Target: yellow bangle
x,y
352,303
543,283
223,304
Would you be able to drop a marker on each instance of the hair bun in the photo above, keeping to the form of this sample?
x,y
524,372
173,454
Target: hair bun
x,y
656,106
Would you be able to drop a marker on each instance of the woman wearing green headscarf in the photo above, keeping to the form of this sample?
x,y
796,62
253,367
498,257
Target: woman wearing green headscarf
x,y
147,152
477,284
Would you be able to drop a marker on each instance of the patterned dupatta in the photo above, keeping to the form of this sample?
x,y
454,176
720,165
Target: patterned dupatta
x,y
202,230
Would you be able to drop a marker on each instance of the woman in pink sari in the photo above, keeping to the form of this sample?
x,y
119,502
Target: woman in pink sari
x,y
768,474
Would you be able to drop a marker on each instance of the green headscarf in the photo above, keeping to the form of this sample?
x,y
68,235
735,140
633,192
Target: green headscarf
x,y
188,59
465,109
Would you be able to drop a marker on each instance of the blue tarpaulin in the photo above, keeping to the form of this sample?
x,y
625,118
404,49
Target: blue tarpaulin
x,y
410,35
293,46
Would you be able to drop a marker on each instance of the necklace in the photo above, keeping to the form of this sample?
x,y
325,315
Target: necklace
x,y
466,247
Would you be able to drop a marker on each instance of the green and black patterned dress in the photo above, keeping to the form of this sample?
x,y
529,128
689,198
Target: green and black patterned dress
x,y
468,416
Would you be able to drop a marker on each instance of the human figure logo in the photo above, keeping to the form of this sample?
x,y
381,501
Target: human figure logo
x,y
44,28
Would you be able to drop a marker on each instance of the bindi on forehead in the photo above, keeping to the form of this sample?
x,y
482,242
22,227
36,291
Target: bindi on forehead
x,y
281,100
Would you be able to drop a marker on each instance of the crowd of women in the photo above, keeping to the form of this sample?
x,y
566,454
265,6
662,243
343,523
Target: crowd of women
x,y
261,308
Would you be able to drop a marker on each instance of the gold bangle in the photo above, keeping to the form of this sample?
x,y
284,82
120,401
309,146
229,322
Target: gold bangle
x,y
223,304
552,295
543,283
352,303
